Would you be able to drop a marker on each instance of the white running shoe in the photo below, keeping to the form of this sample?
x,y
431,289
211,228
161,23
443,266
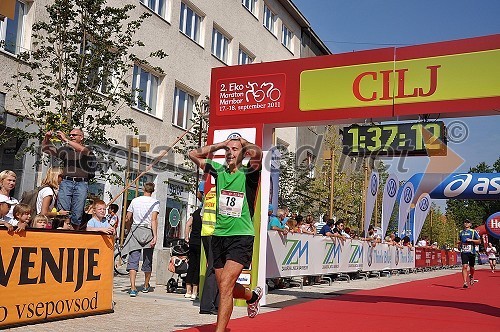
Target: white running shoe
x,y
253,308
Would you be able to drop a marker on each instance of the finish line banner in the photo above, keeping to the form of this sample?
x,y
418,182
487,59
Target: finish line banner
x,y
46,275
303,254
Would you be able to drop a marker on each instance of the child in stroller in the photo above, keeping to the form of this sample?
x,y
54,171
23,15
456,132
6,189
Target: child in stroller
x,y
178,265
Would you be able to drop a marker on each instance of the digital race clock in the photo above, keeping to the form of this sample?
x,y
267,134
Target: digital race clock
x,y
412,139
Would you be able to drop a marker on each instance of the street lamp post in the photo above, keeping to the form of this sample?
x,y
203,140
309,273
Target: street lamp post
x,y
329,155
431,227
332,175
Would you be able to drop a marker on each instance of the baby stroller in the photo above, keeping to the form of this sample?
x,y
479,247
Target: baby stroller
x,y
178,265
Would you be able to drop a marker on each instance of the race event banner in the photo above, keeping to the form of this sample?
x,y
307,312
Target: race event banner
x,y
46,275
303,254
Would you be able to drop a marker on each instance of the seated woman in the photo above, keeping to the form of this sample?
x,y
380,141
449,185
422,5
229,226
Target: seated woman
x,y
47,196
7,184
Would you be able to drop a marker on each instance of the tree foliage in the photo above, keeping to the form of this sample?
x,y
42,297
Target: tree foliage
x,y
295,191
305,187
438,228
195,138
78,72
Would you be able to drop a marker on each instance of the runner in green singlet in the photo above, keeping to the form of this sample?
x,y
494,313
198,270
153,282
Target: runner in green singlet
x,y
232,241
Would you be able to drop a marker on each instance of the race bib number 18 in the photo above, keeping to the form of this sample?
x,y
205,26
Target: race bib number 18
x,y
231,203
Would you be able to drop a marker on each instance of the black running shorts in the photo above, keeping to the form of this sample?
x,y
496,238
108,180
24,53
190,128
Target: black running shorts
x,y
468,258
237,248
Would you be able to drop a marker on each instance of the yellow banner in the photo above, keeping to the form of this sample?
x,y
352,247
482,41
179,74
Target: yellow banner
x,y
452,77
46,275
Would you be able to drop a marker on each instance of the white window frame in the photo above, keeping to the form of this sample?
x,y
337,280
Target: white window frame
x,y
270,19
286,37
19,34
220,45
152,87
154,5
250,5
188,104
242,55
113,76
189,14
113,82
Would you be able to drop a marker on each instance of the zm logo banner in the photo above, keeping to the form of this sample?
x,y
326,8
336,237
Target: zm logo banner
x,y
332,256
356,258
294,255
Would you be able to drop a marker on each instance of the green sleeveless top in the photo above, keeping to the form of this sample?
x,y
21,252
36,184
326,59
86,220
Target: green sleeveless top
x,y
236,193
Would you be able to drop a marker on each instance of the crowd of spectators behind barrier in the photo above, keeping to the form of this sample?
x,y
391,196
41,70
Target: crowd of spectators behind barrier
x,y
17,217
285,222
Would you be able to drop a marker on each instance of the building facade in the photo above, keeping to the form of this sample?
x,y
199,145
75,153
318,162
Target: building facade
x,y
197,35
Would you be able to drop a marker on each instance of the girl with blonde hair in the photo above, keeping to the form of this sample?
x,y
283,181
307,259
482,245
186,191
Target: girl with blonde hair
x,y
47,196
40,221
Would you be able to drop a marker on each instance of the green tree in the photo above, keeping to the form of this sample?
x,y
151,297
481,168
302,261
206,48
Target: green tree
x,y
78,72
313,193
294,180
437,227
195,138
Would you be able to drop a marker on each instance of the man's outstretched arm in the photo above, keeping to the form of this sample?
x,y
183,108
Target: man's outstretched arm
x,y
47,146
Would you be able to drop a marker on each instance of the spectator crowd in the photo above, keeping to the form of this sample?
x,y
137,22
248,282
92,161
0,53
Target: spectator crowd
x,y
61,201
286,222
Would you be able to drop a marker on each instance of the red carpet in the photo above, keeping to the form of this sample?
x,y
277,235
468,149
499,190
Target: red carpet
x,y
435,304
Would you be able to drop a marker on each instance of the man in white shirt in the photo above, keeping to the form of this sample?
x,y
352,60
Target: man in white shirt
x,y
142,220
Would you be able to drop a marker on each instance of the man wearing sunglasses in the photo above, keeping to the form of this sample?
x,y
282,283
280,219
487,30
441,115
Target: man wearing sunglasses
x,y
78,168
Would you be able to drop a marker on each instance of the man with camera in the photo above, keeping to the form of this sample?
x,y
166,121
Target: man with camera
x,y
78,168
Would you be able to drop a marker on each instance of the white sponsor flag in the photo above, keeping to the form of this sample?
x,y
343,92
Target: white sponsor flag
x,y
405,200
421,211
390,194
371,197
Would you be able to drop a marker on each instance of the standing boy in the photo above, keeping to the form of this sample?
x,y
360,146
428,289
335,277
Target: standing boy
x,y
98,222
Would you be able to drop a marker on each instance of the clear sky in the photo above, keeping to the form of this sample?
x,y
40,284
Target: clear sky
x,y
351,25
